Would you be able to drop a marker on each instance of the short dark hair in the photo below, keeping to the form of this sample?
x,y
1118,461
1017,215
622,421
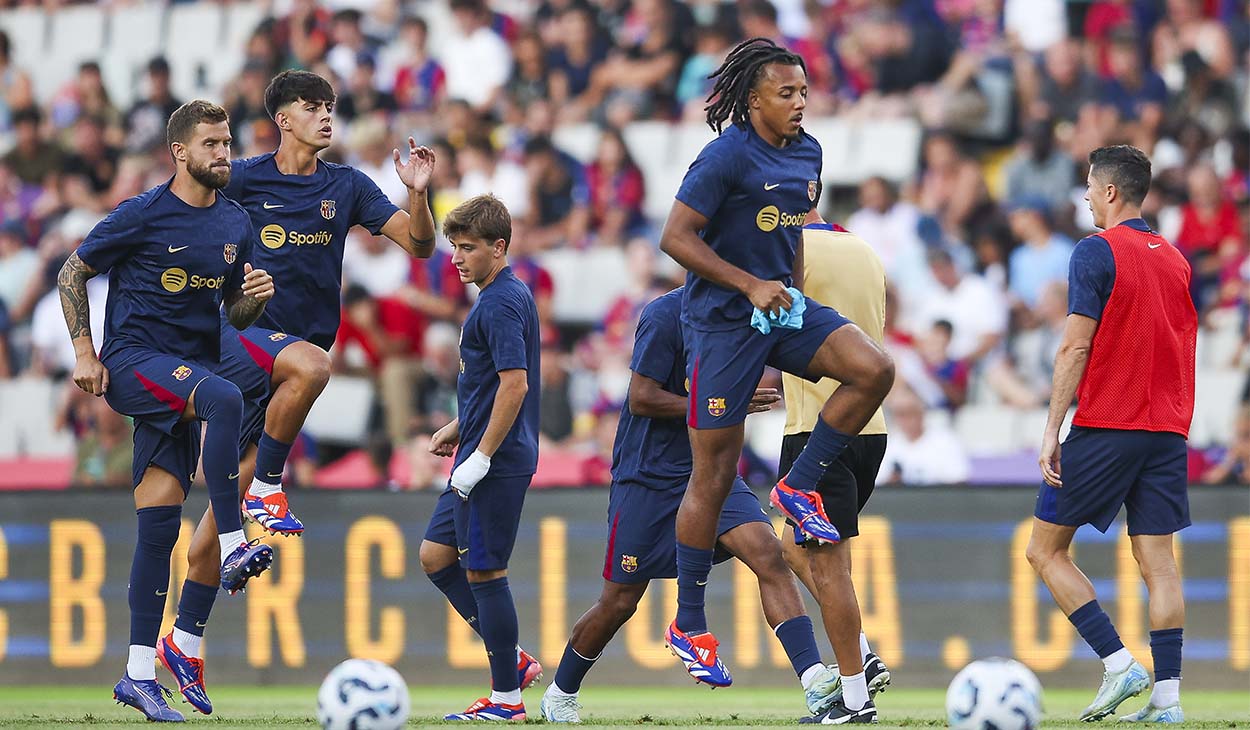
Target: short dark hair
x,y
293,85
182,122
1125,167
484,217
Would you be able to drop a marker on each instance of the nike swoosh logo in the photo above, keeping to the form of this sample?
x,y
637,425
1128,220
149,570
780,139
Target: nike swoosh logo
x,y
462,551
770,187
1153,245
267,206
163,593
824,464
275,476
176,250
233,476
201,624
700,582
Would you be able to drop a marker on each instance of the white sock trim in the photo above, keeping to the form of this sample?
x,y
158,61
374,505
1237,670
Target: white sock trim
x,y
555,691
854,690
506,698
263,489
141,662
864,648
1119,661
810,674
1167,692
229,541
187,643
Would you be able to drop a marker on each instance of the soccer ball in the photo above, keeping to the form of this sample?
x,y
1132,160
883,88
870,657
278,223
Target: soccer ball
x,y
362,694
994,694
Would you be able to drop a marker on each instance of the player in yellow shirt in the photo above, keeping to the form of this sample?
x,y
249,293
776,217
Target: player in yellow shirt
x,y
839,268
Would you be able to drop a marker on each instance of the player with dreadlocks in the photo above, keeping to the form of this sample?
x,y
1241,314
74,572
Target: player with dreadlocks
x,y
736,226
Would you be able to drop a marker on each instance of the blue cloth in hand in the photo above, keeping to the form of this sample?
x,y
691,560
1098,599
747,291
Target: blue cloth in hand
x,y
791,318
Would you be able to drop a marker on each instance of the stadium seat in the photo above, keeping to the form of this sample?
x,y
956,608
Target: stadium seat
x,y
1217,398
198,28
240,21
341,414
27,28
586,282
649,145
76,34
889,148
135,37
986,430
29,406
579,140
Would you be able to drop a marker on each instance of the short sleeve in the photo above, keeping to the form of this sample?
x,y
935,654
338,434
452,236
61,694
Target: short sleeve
x,y
1091,275
112,239
504,326
373,209
710,178
656,346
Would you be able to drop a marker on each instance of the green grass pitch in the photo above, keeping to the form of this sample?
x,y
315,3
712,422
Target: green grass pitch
x,y
285,707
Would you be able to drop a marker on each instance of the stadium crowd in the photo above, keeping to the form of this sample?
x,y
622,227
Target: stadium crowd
x,y
1011,94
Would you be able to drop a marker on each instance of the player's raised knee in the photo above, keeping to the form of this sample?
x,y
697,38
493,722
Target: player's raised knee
x,y
310,365
218,398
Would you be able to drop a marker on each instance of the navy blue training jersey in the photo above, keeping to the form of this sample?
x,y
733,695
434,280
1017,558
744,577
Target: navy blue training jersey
x,y
755,197
169,264
655,452
300,224
500,333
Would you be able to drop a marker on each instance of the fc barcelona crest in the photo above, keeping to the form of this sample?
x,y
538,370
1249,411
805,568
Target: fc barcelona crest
x,y
811,190
327,209
231,253
716,406
629,563
182,372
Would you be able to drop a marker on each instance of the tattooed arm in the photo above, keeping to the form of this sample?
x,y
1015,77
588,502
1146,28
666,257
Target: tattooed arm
x,y
89,373
245,304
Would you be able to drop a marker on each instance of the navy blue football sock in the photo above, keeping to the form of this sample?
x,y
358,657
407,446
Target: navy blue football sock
x,y
799,641
693,566
1165,648
454,584
220,405
822,449
194,606
497,617
1094,626
271,457
572,670
149,571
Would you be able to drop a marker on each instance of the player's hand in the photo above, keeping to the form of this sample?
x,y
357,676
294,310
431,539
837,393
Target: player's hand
x,y
445,440
257,283
769,296
415,173
90,375
763,400
471,471
1049,460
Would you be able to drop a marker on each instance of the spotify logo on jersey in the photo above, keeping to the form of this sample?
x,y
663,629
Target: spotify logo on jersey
x,y
767,218
273,236
174,280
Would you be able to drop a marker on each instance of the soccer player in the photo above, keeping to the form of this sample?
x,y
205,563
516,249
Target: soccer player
x,y
1127,355
735,226
840,269
173,254
650,468
301,209
495,441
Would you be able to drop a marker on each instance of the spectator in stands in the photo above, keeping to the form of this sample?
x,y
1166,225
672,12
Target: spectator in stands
x,y
50,354
305,33
34,159
1234,468
92,158
1204,98
371,145
581,49
19,264
559,210
951,186
977,313
889,225
1210,236
350,44
639,78
1135,92
1060,86
616,191
416,80
245,98
711,44
1185,28
920,453
527,268
103,448
555,410
483,171
1040,170
1043,254
372,263
1023,378
85,96
145,122
529,80
480,82
16,91
360,97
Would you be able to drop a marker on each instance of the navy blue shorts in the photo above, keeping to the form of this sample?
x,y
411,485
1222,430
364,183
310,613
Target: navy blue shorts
x,y
724,367
153,389
1102,469
247,359
482,529
642,529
